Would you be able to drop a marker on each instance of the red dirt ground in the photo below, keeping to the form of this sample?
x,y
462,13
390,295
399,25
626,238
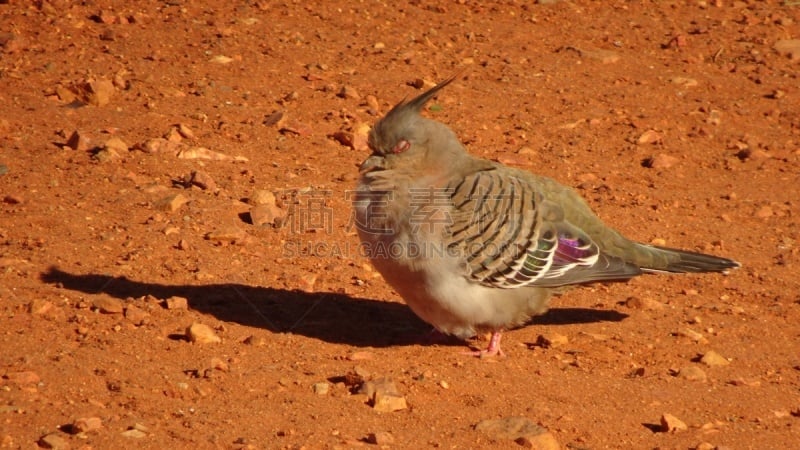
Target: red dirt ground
x,y
679,121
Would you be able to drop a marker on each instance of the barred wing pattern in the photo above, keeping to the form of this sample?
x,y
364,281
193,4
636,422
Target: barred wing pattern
x,y
510,236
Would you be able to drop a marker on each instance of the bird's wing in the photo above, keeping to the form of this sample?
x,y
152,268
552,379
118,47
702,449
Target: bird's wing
x,y
509,235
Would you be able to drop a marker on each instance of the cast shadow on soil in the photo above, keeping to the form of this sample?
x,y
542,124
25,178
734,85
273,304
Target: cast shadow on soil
x,y
328,316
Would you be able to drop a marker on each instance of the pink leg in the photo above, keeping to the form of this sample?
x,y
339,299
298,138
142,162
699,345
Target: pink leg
x,y
493,349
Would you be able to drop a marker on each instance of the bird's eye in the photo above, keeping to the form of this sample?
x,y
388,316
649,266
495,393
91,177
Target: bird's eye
x,y
401,146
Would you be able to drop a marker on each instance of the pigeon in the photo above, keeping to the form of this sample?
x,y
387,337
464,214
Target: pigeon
x,y
475,246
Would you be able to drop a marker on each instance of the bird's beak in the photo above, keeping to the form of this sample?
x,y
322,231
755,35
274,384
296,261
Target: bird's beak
x,y
374,162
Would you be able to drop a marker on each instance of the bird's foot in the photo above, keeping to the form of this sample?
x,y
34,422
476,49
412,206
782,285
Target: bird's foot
x,y
492,350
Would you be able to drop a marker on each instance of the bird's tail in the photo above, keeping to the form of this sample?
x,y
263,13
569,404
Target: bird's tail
x,y
682,261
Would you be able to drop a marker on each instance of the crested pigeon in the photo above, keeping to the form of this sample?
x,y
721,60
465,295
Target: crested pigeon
x,y
476,246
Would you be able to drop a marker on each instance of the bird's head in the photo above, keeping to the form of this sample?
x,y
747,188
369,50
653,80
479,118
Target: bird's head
x,y
403,138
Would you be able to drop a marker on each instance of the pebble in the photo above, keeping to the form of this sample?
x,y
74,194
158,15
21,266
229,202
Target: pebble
x,y
372,102
54,441
203,181
714,359
185,131
764,212
229,234
692,373
789,47
116,144
134,433
321,388
520,430
344,137
361,137
348,92
79,141
661,161
643,303
25,377
671,424
39,306
136,315
105,155
86,424
176,302
693,335
202,334
684,82
380,438
13,199
96,92
649,137
384,395
209,155
108,305
267,214
551,340
604,56
171,203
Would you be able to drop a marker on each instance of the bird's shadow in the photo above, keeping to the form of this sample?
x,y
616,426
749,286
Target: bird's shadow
x,y
327,316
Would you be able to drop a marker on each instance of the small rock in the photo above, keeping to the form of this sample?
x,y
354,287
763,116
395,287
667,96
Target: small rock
x,y
136,315
684,82
176,302
12,199
372,102
384,395
643,303
417,83
25,377
551,340
116,144
39,306
105,155
649,137
361,137
360,356
764,212
108,305
790,47
96,92
86,424
221,59
384,402
671,424
661,161
321,388
262,197
203,181
185,131
267,214
54,441
348,92
343,137
134,433
693,335
521,430
231,234
692,373
206,154
604,56
380,438
275,118
79,141
171,203
154,145
202,334
714,359
255,341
